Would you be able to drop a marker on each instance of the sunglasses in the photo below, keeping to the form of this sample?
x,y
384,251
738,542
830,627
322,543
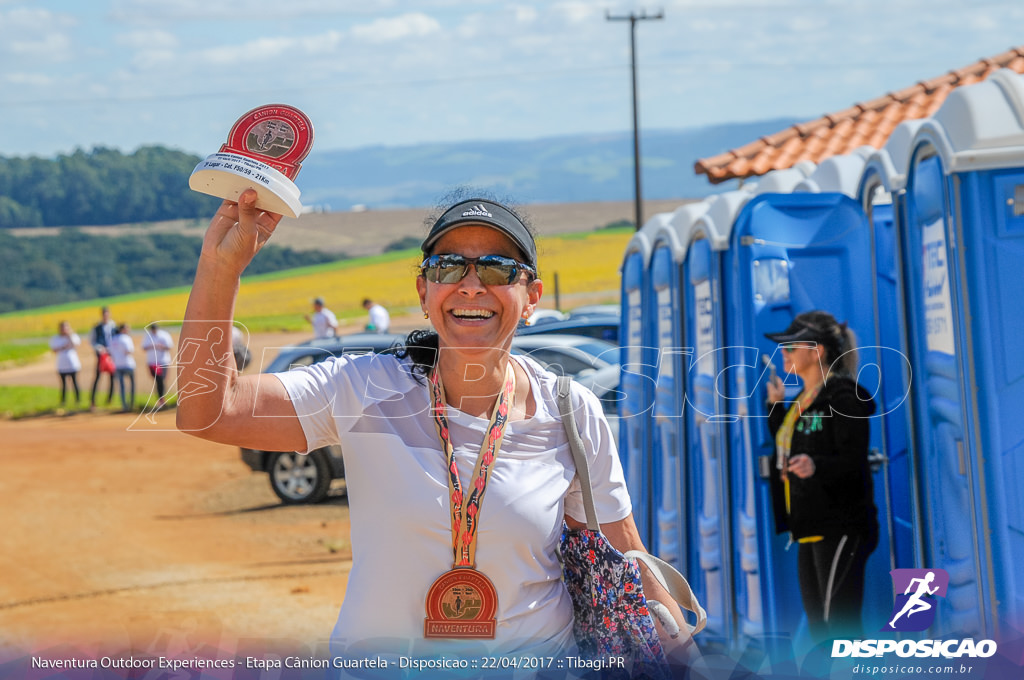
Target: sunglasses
x,y
492,270
794,347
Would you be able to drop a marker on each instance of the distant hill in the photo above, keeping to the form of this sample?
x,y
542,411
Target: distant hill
x,y
566,169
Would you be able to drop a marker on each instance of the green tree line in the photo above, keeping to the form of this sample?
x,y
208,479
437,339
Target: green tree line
x,y
102,186
36,271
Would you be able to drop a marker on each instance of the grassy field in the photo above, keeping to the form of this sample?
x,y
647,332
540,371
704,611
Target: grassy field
x,y
20,401
585,263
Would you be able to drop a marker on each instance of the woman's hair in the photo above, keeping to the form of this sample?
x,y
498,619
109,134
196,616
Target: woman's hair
x,y
422,346
838,339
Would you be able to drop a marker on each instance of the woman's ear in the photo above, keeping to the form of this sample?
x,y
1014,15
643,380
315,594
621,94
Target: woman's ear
x,y
421,290
534,291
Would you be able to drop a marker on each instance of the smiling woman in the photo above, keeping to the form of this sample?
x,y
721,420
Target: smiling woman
x,y
425,432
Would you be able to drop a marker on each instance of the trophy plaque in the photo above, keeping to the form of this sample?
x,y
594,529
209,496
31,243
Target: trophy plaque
x,y
263,152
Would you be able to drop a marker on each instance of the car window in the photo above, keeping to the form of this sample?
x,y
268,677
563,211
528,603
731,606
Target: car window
x,y
607,353
562,362
307,359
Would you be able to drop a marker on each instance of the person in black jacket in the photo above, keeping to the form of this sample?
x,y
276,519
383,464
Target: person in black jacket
x,y
821,480
100,338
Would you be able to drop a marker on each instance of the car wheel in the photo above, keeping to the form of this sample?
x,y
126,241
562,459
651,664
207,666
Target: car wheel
x,y
298,478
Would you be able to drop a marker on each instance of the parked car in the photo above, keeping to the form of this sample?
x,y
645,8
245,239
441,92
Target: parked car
x,y
544,316
595,310
572,355
599,326
306,478
604,383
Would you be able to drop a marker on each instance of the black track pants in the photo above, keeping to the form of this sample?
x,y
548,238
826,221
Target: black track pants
x,y
831,575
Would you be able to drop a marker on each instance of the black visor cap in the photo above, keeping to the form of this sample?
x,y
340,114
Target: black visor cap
x,y
487,213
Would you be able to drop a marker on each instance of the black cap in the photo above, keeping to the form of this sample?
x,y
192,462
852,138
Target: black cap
x,y
487,213
801,330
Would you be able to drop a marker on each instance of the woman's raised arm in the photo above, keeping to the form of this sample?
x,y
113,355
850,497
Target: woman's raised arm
x,y
214,402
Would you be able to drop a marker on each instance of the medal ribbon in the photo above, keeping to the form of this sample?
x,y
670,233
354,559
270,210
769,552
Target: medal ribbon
x,y
466,511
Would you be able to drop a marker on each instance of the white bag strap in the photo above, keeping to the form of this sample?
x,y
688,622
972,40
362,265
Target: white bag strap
x,y
576,445
676,585
670,578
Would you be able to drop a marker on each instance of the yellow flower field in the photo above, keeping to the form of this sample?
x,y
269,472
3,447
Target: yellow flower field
x,y
584,263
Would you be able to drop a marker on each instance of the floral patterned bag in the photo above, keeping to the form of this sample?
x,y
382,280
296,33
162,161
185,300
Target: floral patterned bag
x,y
611,614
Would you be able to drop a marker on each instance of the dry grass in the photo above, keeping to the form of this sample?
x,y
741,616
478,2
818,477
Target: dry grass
x,y
367,233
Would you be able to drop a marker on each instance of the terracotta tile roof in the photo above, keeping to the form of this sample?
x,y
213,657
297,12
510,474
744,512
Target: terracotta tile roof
x,y
869,123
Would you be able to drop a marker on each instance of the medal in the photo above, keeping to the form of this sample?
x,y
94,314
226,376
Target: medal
x,y
462,603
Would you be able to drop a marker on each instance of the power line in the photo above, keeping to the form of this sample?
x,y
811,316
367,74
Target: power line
x,y
632,18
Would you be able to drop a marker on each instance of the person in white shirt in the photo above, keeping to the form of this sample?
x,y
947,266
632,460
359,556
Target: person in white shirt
x,y
64,345
158,344
380,320
452,410
325,324
122,351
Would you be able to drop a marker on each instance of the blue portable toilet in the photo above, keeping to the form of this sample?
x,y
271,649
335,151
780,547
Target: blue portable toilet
x,y
706,502
787,251
881,191
639,362
670,482
963,253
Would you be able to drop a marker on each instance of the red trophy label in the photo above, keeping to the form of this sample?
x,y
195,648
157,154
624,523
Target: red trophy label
x,y
263,152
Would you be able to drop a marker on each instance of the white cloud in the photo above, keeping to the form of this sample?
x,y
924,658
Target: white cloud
x,y
158,12
412,25
147,40
35,33
525,14
576,12
806,24
49,46
261,50
28,79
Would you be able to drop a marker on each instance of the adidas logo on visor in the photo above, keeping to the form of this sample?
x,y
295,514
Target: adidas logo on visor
x,y
477,210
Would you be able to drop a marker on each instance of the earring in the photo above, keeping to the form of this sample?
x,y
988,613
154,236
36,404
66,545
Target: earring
x,y
426,315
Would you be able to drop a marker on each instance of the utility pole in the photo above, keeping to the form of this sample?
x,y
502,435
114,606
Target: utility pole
x,y
632,18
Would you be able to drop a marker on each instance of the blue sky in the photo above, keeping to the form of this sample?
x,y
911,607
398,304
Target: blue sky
x,y
124,73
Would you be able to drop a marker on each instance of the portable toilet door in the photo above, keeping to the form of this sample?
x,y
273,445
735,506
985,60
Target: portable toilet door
x,y
638,364
949,472
669,479
963,255
710,569
671,483
789,253
881,193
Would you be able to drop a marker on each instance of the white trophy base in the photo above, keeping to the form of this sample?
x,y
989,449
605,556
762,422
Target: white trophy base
x,y
227,175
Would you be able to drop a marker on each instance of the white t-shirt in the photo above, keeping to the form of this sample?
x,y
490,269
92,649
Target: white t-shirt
x,y
67,355
379,318
122,351
399,507
158,347
324,323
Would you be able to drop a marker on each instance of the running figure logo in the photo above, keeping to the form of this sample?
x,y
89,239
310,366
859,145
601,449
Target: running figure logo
x,y
914,609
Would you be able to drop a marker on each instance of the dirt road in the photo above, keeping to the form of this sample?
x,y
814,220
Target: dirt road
x,y
127,536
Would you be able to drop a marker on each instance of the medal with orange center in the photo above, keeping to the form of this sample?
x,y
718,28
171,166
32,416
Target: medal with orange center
x,y
462,603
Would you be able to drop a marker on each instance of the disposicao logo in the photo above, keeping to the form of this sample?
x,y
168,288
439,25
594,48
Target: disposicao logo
x,y
914,611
